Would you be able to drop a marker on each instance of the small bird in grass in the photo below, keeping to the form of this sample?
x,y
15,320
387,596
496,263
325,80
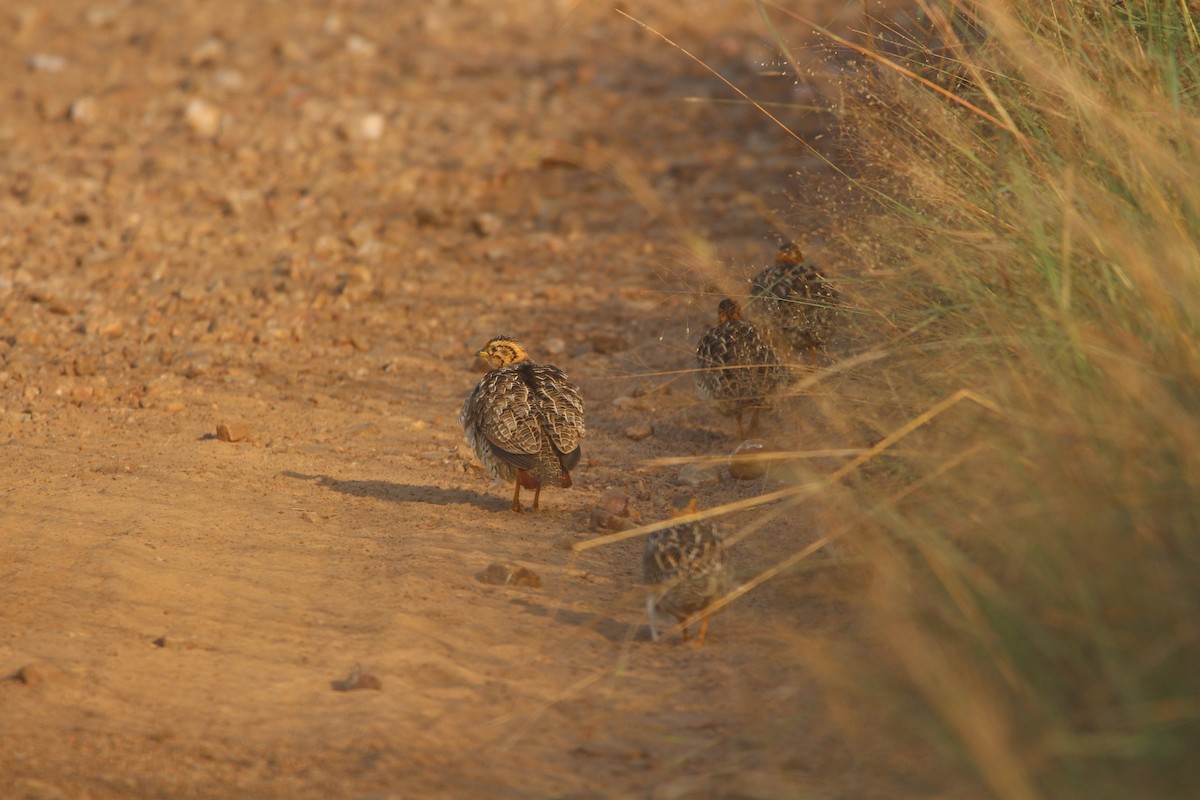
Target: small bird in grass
x,y
796,301
737,368
523,420
687,567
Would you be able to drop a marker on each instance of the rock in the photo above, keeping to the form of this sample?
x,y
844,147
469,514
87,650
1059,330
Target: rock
x,y
371,126
613,513
746,463
35,674
44,62
209,52
627,403
564,541
554,346
527,577
608,343
309,516
83,111
363,128
203,118
698,476
233,431
486,224
500,574
639,432
85,365
361,46
228,79
357,679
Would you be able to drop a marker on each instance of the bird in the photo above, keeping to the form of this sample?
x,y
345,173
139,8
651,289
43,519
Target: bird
x,y
523,420
796,302
737,367
687,567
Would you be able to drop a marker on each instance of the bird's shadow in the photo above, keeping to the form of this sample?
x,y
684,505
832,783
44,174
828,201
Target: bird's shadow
x,y
609,628
404,492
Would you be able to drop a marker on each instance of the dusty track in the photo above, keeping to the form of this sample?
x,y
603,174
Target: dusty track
x,y
184,603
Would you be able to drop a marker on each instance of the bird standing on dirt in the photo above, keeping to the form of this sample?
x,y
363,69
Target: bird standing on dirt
x,y
523,420
796,301
737,368
687,567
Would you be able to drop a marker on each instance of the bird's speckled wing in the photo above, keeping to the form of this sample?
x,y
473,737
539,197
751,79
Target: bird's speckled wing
x,y
682,552
502,409
560,409
798,301
736,364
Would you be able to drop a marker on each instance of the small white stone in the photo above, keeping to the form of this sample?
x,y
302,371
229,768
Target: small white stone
x,y
44,62
83,110
203,118
370,126
360,46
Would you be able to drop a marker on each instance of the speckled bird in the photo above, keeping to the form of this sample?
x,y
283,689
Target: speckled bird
x,y
523,420
737,368
687,567
796,302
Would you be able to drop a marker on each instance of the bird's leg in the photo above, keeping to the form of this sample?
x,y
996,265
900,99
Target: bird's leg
x,y
703,632
516,506
536,494
686,636
741,436
650,615
754,422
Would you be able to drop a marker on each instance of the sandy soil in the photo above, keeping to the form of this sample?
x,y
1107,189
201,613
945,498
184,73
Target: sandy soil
x,y
302,217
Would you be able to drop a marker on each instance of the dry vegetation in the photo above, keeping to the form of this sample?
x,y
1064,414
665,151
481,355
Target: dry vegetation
x,y
1030,598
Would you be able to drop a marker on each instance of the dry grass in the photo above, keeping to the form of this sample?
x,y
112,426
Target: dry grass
x,y
1029,611
1032,614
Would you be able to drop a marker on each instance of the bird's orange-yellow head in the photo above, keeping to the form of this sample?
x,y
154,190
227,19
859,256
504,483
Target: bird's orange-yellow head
x,y
500,352
728,310
789,253
684,504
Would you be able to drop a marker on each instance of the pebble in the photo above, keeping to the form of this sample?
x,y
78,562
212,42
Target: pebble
x,y
35,674
203,118
85,365
639,432
357,679
626,402
613,513
210,51
367,127
83,111
44,62
698,476
361,46
233,431
371,126
608,343
745,463
309,516
486,224
498,573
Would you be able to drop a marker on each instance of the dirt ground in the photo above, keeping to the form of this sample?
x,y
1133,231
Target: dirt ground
x,y
302,218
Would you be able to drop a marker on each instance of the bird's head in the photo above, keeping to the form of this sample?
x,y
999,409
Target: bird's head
x,y
728,310
684,504
500,352
789,253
